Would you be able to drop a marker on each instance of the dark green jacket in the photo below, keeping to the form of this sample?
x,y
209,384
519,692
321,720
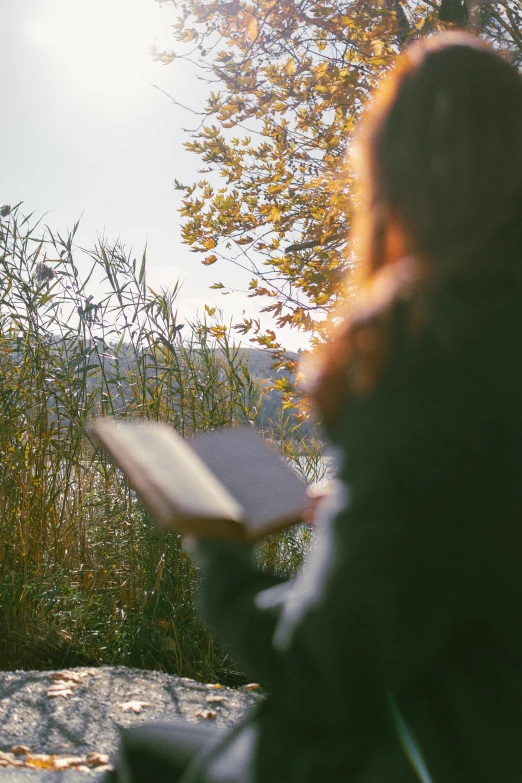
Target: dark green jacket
x,y
414,588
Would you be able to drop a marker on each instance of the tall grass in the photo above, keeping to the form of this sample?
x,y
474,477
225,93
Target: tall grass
x,y
84,577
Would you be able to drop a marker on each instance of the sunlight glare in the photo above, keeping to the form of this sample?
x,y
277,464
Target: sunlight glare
x,y
102,46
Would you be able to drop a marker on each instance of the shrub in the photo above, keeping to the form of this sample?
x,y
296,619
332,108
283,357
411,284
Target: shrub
x,y
84,576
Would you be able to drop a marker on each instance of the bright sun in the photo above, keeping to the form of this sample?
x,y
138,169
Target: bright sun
x,y
102,46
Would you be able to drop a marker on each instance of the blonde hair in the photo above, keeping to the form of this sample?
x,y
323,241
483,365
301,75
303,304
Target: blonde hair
x,y
441,136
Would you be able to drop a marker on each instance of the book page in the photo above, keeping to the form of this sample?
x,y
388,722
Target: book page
x,y
255,474
166,472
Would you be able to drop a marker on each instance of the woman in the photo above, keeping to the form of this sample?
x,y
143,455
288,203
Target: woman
x,y
396,654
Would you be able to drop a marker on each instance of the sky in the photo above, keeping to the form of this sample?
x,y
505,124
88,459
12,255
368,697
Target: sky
x,y
84,133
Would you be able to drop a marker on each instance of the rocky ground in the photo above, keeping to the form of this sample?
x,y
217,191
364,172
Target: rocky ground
x,y
63,726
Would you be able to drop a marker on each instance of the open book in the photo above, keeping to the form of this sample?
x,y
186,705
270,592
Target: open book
x,y
228,483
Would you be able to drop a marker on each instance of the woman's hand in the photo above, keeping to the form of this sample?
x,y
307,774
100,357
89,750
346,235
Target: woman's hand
x,y
317,494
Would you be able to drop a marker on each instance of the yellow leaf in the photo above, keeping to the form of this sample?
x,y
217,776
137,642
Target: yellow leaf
x,y
209,260
208,243
252,27
289,68
274,214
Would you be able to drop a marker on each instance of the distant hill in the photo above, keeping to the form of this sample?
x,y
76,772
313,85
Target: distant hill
x,y
118,361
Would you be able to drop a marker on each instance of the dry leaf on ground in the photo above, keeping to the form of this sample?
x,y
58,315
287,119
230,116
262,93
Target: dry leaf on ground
x,y
215,699
66,762
66,676
44,761
207,714
134,706
60,686
97,759
55,691
20,750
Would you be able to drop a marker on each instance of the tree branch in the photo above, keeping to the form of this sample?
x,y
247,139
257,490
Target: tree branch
x,y
311,244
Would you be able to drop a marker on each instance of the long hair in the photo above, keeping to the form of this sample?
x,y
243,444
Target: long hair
x,y
439,153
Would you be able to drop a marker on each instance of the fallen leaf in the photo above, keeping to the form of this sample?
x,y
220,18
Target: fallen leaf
x,y
66,676
97,759
67,762
42,761
215,699
207,714
252,686
52,693
135,706
20,750
215,685
61,686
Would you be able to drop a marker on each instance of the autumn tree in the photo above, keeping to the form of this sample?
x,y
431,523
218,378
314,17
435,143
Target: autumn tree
x,y
288,80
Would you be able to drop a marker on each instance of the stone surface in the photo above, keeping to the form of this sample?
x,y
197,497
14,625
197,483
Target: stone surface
x,y
85,718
